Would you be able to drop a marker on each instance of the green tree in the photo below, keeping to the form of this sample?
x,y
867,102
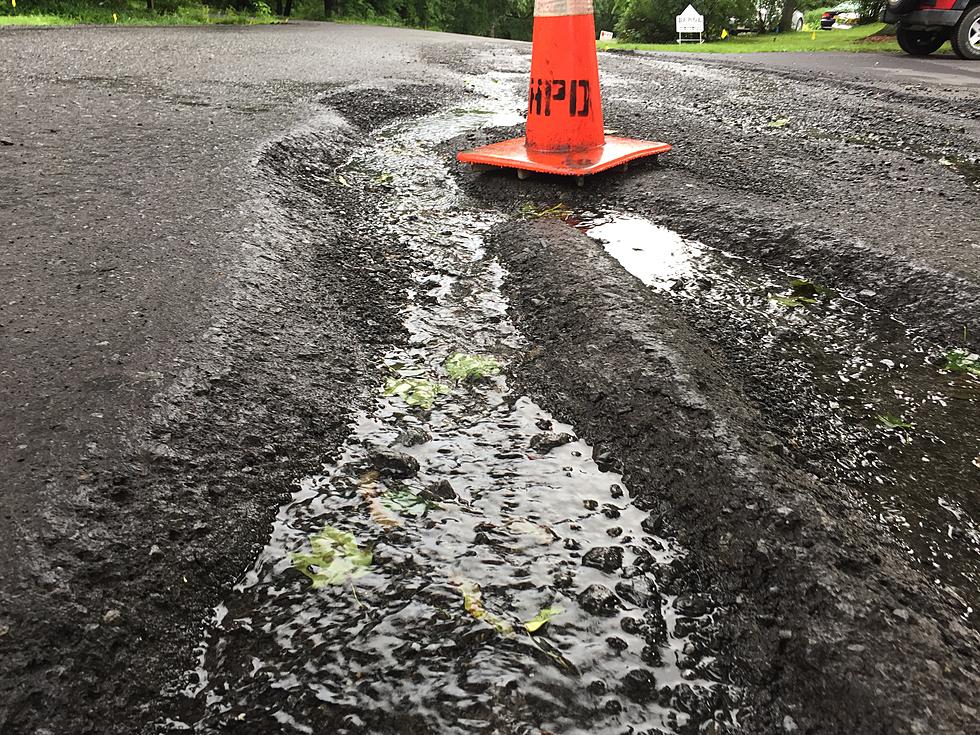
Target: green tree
x,y
652,21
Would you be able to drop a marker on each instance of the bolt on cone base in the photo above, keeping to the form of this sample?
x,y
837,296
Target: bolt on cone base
x,y
515,154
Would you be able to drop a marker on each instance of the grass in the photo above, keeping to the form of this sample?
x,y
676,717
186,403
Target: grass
x,y
854,39
125,12
33,20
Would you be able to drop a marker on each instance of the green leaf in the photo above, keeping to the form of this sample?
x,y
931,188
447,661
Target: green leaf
x,y
960,361
335,558
806,289
463,367
802,292
473,604
542,618
893,422
781,122
417,392
406,502
791,302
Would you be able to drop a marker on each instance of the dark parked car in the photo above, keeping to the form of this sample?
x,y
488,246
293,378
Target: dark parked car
x,y
922,26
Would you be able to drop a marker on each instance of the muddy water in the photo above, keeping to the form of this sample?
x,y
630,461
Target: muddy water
x,y
844,371
489,515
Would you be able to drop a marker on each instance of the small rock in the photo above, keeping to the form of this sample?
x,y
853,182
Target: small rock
x,y
611,511
613,707
616,491
5,141
631,626
788,516
653,523
901,614
394,463
155,552
544,443
599,600
564,580
867,293
606,558
617,644
112,616
640,591
442,490
413,436
639,685
161,451
692,606
789,724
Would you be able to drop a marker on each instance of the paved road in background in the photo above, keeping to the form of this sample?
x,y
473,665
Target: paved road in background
x,y
945,73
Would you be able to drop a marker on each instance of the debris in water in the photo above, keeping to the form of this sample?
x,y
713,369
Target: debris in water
x,y
394,463
791,302
440,490
542,534
559,211
543,617
544,443
780,122
335,558
803,292
413,436
960,361
462,367
368,488
406,502
473,604
893,422
417,392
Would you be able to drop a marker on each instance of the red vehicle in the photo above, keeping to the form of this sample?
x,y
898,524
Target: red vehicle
x,y
925,25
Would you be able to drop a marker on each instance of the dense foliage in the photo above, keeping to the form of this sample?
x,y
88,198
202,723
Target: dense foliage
x,y
633,20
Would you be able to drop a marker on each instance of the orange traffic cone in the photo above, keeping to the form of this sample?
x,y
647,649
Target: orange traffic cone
x,y
565,133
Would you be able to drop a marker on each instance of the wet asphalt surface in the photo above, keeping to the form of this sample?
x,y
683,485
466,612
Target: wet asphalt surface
x,y
199,287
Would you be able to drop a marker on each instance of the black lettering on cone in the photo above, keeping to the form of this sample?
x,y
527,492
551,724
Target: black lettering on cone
x,y
578,92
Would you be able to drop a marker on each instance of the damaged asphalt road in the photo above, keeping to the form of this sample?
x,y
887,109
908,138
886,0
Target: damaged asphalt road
x,y
213,266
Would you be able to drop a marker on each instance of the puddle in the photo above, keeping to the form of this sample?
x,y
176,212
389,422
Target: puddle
x,y
657,256
844,372
489,515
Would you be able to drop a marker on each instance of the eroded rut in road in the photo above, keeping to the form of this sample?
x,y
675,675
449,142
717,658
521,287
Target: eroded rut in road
x,y
862,392
468,565
480,571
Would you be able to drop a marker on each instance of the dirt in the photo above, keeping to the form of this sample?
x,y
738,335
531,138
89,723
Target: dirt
x,y
813,615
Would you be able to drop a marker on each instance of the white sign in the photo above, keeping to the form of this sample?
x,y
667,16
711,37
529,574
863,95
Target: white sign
x,y
605,35
690,21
